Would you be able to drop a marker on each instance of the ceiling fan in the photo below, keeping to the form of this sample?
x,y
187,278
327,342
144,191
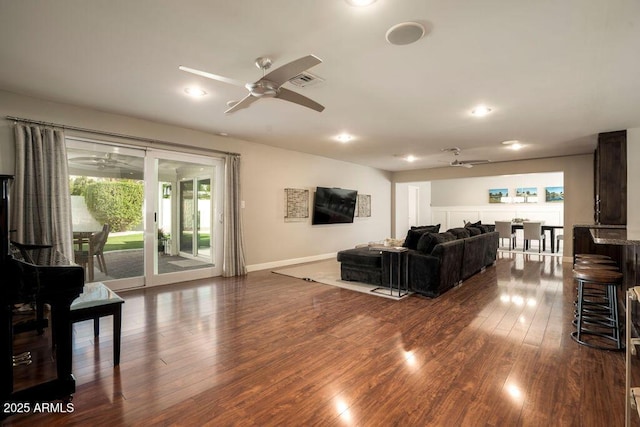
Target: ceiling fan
x,y
462,163
270,85
101,162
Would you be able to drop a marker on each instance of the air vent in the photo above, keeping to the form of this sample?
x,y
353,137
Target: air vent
x,y
305,79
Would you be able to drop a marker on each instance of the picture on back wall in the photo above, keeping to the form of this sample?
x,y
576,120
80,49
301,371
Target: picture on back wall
x,y
554,194
498,195
527,195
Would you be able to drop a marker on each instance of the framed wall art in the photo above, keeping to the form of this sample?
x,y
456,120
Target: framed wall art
x,y
363,205
526,195
554,194
296,202
498,195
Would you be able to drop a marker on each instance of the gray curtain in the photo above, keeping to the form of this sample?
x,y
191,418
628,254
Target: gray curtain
x,y
234,263
41,204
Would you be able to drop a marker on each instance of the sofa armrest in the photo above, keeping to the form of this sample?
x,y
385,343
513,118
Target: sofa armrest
x,y
433,274
424,271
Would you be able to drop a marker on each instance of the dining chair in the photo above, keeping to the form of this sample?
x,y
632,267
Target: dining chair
x,y
559,238
95,248
506,232
533,231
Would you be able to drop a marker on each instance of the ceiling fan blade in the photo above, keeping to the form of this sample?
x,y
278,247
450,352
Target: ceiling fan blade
x,y
289,95
244,103
474,162
211,76
281,75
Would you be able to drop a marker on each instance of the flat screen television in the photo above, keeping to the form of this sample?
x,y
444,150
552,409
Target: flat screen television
x,y
333,205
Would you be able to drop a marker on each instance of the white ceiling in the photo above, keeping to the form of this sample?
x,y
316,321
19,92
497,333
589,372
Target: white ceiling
x,y
555,73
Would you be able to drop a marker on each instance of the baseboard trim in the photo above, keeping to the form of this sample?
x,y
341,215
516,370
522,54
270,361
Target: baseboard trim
x,y
286,262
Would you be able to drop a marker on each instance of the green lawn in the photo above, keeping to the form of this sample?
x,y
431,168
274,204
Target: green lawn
x,y
128,241
134,241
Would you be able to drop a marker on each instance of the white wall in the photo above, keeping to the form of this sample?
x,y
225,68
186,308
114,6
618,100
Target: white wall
x,y
265,173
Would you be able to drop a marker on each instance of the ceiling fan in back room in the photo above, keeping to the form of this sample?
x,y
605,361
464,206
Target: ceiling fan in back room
x,y
462,163
270,85
100,162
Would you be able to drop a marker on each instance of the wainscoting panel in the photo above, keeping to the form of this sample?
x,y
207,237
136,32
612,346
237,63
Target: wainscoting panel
x,y
455,216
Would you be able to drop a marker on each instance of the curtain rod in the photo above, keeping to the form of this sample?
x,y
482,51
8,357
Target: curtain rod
x,y
118,135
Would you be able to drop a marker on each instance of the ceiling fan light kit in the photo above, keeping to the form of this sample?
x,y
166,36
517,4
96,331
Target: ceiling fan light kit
x,y
270,85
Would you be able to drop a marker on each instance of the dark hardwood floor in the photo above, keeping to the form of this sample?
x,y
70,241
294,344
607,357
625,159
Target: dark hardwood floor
x,y
273,350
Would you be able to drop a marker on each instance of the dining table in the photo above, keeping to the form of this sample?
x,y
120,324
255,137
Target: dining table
x,y
545,227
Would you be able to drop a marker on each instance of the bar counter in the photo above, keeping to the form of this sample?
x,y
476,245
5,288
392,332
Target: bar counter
x,y
615,236
629,243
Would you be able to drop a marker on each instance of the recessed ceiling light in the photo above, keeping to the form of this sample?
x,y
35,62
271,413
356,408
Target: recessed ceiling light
x,y
360,3
195,92
513,144
481,111
223,134
344,137
411,158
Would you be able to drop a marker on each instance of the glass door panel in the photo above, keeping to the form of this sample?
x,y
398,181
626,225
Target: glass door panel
x,y
107,189
187,211
188,198
203,216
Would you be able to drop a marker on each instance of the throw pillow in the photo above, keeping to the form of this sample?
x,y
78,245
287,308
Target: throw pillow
x,y
414,234
430,240
474,231
484,228
434,228
460,232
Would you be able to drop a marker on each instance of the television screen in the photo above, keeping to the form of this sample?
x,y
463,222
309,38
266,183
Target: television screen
x,y
334,205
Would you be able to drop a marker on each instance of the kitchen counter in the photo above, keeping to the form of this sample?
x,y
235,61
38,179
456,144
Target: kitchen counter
x,y
615,236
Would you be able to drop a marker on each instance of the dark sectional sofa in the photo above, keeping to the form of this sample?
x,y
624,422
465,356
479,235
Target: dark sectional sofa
x,y
436,261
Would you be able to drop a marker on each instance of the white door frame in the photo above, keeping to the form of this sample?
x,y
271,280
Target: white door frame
x,y
151,208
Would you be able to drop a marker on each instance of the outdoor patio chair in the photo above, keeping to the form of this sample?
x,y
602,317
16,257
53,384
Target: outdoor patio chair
x,y
95,248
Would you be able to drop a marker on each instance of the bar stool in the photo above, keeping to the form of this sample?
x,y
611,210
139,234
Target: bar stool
x,y
592,256
595,298
594,261
597,312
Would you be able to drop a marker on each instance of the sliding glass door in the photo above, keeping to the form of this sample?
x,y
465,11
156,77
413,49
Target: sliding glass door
x,y
186,214
163,210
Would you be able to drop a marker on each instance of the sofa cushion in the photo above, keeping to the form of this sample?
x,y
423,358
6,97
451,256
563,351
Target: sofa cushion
x,y
483,228
361,256
459,232
414,234
473,231
429,241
